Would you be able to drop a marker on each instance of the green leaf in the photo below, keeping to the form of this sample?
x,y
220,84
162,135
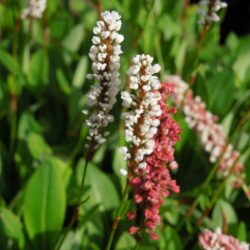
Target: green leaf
x,y
221,82
242,232
38,68
242,66
27,124
62,168
73,240
74,39
77,5
60,24
99,155
44,204
126,241
232,41
100,185
227,123
63,82
80,72
15,84
11,226
173,27
37,146
180,56
26,59
172,240
222,210
7,61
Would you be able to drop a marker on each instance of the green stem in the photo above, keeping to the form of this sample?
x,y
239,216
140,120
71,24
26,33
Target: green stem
x,y
83,179
13,130
212,172
117,218
14,92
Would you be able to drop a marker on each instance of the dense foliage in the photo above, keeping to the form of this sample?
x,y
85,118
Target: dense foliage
x,y
43,89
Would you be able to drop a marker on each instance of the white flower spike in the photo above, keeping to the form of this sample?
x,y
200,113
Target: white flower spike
x,y
208,11
105,56
35,9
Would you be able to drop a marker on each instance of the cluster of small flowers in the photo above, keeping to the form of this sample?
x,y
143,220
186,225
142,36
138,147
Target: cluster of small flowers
x,y
35,9
141,121
208,11
105,55
208,130
152,183
216,241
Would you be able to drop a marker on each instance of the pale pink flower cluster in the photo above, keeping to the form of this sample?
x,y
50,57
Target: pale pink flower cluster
x,y
210,240
35,9
204,123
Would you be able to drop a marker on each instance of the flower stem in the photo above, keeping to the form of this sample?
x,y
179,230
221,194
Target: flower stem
x,y
117,218
83,179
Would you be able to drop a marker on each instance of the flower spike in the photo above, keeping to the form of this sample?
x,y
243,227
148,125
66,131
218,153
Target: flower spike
x,y
216,240
152,133
210,133
105,56
35,9
208,11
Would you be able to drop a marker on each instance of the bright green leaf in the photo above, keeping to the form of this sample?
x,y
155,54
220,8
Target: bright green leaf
x,y
80,73
223,210
44,204
242,232
37,146
100,185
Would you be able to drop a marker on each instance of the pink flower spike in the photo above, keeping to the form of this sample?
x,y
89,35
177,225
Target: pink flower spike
x,y
216,240
206,126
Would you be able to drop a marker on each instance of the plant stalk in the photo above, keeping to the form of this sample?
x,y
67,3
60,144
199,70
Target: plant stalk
x,y
117,218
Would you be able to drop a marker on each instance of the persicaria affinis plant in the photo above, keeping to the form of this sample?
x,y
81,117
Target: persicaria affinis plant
x,y
184,144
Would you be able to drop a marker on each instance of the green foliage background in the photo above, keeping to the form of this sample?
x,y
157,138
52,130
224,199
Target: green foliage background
x,y
43,86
